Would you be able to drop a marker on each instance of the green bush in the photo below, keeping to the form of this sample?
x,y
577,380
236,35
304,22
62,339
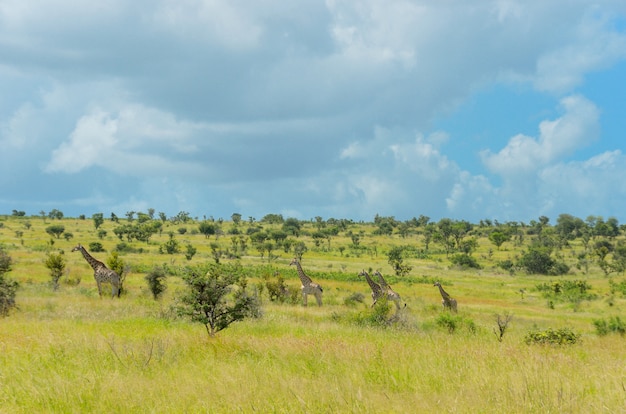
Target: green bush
x,y
563,336
507,265
618,286
376,315
96,247
276,288
217,296
452,323
613,325
539,261
8,287
354,298
566,291
465,261
156,281
55,262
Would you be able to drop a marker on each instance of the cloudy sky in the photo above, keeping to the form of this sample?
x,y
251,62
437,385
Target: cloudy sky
x,y
498,109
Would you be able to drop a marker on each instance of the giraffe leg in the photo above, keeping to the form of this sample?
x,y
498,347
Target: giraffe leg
x,y
318,297
304,299
99,288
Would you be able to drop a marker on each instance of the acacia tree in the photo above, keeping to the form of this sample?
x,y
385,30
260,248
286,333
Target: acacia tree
x,y
55,230
499,237
217,296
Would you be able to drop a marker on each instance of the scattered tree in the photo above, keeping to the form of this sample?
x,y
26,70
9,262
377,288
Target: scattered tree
x,y
156,281
55,230
98,220
55,262
8,287
217,296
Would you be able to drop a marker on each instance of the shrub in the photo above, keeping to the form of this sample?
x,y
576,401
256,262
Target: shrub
x,y
507,265
55,262
613,325
354,298
96,247
567,291
276,289
217,296
8,287
156,281
376,316
465,261
563,336
539,261
452,323
618,286
116,264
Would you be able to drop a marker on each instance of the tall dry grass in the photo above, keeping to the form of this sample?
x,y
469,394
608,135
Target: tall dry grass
x,y
70,352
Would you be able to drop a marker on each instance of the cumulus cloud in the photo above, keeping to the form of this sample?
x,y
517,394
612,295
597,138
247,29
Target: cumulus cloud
x,y
125,142
594,47
325,107
577,127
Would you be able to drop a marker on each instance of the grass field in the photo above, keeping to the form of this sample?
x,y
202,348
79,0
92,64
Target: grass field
x,y
70,351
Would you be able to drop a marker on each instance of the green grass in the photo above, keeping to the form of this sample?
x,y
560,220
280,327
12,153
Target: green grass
x,y
70,351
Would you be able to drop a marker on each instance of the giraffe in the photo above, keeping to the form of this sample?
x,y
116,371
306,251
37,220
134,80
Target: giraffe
x,y
391,294
377,290
101,273
308,286
447,301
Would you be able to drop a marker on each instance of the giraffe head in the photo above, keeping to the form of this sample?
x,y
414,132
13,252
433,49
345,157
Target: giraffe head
x,y
294,261
437,284
362,273
77,248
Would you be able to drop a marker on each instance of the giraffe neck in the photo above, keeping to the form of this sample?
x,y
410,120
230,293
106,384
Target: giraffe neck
x,y
95,264
443,293
373,285
383,282
306,281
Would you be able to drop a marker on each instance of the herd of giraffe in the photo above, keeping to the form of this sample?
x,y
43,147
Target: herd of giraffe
x,y
380,288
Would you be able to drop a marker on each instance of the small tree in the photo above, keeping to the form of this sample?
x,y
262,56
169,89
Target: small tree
x,y
190,251
98,220
55,230
156,281
207,228
171,246
8,287
498,238
55,262
217,296
118,266
395,259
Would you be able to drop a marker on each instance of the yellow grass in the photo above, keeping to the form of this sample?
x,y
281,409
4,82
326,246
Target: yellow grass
x,y
69,351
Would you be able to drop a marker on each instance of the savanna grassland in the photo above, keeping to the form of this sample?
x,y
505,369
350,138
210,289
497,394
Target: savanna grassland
x,y
69,351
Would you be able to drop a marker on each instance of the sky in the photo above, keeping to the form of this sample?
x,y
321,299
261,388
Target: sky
x,y
503,110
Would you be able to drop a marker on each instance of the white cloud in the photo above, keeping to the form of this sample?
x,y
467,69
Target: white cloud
x,y
594,46
134,140
224,23
577,127
226,100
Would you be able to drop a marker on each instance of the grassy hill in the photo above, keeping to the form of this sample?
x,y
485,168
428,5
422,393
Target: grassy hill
x,y
70,351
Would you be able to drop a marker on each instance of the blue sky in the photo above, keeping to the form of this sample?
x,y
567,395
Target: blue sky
x,y
501,109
